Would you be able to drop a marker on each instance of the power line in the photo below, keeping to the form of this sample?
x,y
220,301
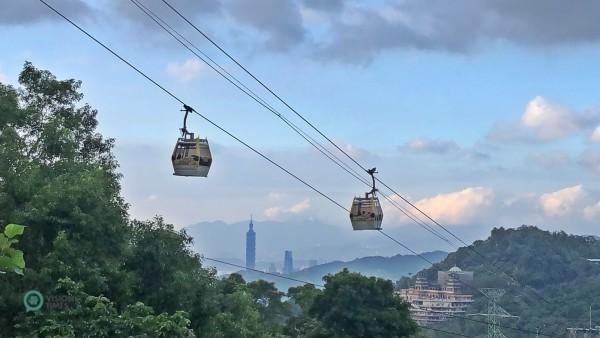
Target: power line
x,y
483,322
196,112
444,331
263,272
314,284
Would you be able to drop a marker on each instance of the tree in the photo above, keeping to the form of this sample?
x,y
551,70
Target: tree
x,y
353,305
97,316
301,299
58,176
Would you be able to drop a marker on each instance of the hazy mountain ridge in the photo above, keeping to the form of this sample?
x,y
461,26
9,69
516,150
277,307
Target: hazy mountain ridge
x,y
392,268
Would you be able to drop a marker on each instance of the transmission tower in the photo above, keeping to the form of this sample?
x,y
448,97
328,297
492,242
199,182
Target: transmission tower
x,y
495,312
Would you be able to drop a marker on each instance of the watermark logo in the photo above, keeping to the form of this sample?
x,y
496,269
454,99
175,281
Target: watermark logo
x,y
33,300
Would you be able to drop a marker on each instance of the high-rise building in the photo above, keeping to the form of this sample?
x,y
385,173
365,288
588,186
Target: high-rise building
x,y
251,246
288,263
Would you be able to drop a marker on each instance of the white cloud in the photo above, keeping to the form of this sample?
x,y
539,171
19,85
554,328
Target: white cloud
x,y
592,212
550,120
279,212
187,71
562,202
545,121
457,207
595,137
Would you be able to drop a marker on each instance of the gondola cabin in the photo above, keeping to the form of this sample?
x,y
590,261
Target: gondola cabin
x,y
366,213
191,156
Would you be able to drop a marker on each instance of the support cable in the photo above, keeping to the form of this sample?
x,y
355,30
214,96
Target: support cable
x,y
186,43
196,112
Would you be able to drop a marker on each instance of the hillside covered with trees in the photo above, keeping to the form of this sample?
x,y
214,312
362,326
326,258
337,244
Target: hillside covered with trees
x,y
105,275
547,276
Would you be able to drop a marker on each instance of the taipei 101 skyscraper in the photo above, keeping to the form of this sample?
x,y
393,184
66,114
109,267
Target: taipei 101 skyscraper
x,y
251,247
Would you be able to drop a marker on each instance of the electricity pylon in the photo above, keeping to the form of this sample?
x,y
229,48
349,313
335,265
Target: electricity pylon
x,y
495,312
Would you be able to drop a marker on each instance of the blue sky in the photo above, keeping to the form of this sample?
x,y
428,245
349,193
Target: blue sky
x,y
482,113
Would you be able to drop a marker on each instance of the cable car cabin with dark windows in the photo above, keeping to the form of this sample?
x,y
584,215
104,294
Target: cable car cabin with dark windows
x,y
366,212
191,156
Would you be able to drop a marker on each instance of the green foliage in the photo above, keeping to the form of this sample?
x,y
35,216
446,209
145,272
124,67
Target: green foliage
x,y
301,298
11,259
97,316
553,282
268,300
353,305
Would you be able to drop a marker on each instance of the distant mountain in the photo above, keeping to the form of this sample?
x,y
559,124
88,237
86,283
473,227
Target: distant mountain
x,y
392,268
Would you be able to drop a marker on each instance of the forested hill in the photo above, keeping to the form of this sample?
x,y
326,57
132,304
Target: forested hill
x,y
554,283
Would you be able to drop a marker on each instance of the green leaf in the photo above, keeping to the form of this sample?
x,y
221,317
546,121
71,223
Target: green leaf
x,y
4,243
18,260
13,230
6,263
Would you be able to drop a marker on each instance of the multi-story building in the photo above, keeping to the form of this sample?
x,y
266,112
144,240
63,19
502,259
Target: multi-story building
x,y
436,303
251,246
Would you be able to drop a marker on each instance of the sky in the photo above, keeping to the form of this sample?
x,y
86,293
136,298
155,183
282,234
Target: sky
x,y
483,113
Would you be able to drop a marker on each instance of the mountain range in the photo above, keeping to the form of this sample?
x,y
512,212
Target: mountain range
x,y
392,268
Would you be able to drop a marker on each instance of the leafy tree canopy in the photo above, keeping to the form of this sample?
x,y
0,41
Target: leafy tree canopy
x,y
352,305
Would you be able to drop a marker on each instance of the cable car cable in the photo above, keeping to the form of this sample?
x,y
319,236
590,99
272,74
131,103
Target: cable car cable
x,y
239,85
322,134
202,116
261,83
205,118
195,111
231,78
